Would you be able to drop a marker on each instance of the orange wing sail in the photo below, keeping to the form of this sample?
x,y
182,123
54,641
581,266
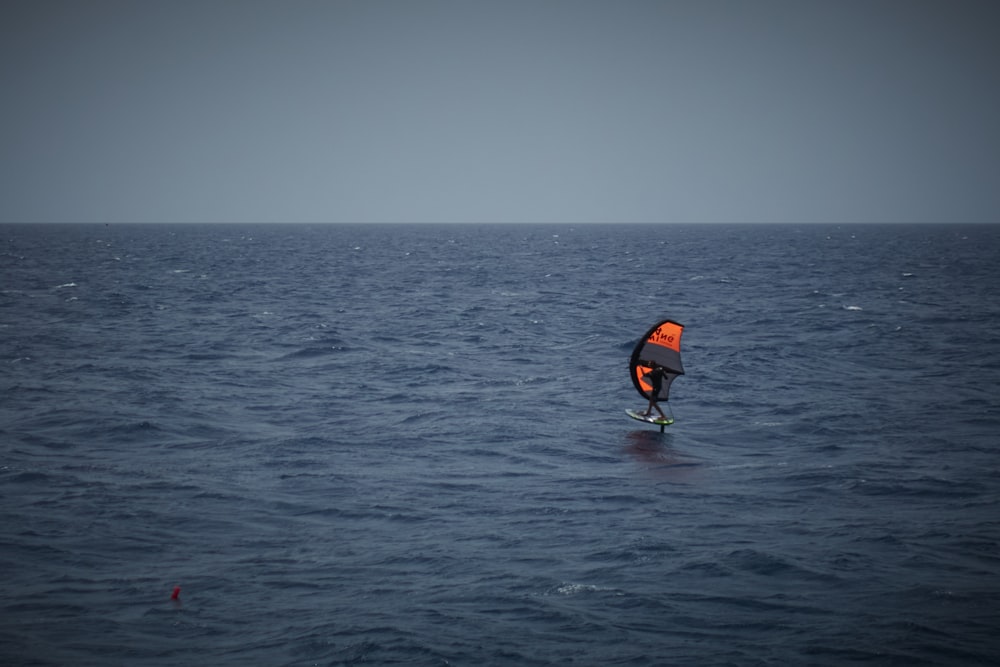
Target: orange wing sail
x,y
661,346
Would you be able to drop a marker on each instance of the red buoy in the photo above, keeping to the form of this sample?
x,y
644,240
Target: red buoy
x,y
176,594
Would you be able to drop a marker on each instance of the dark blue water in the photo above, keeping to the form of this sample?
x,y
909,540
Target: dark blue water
x,y
373,445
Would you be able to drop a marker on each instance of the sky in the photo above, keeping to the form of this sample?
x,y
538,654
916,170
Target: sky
x,y
499,111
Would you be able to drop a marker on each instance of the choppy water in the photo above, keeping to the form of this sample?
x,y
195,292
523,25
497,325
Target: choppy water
x,y
371,445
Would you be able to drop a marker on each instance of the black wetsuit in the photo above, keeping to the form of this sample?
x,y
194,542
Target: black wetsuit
x,y
656,379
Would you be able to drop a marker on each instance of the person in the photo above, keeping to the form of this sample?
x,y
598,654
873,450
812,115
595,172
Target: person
x,y
655,377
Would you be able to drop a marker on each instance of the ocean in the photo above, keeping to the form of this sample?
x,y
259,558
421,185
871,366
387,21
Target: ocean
x,y
406,445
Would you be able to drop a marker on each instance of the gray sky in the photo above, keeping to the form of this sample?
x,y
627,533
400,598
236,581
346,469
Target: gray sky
x,y
500,110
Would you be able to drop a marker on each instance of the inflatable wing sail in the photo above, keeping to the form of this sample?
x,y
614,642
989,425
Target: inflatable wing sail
x,y
660,346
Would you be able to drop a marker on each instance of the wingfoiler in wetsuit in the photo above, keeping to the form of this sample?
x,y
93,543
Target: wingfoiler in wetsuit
x,y
655,377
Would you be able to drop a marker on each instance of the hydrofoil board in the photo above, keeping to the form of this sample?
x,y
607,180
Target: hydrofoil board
x,y
652,419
